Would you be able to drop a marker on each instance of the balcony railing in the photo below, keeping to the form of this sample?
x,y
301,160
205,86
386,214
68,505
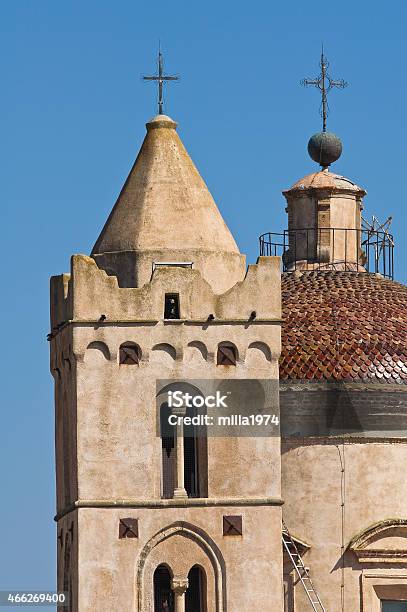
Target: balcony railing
x,y
358,250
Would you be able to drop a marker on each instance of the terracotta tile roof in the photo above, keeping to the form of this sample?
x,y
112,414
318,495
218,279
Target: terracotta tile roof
x,y
343,325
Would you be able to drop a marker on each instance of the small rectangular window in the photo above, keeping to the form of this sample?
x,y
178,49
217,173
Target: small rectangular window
x,y
171,307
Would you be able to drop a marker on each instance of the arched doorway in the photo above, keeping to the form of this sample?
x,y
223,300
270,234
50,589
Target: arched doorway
x,y
163,595
195,596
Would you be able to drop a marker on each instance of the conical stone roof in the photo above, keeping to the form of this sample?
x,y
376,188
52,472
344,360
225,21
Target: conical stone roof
x,y
165,212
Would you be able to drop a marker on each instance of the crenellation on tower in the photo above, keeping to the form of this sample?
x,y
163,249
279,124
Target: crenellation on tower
x,y
91,293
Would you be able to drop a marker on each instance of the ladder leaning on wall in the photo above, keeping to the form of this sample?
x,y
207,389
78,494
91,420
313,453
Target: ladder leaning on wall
x,y
302,572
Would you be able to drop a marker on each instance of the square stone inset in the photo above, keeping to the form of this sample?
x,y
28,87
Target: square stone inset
x,y
232,525
128,528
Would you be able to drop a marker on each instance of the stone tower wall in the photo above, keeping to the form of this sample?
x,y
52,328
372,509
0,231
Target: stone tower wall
x,y
109,452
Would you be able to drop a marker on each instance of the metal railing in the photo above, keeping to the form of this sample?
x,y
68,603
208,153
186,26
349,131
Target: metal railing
x,y
332,248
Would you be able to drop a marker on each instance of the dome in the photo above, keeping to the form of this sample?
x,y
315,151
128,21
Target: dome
x,y
326,180
345,326
324,148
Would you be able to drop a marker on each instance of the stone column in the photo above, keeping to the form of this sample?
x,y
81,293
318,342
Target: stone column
x,y
179,491
179,585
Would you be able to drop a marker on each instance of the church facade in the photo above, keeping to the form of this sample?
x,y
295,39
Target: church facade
x,y
149,520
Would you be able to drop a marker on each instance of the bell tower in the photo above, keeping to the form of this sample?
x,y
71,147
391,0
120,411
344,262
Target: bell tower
x,y
148,518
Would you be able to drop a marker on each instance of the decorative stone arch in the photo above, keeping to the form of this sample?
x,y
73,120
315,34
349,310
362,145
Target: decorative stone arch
x,y
165,348
98,346
197,350
208,546
177,385
259,348
382,542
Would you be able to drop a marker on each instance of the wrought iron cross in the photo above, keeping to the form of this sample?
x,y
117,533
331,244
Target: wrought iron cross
x,y
324,83
160,78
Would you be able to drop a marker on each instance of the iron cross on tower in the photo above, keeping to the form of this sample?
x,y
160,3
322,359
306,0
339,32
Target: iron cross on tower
x,y
324,84
160,78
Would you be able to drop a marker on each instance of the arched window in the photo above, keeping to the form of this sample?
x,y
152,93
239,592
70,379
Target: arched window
x,y
227,354
163,595
192,447
129,353
195,595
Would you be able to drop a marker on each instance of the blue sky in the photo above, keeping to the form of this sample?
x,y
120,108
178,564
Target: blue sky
x,y
73,110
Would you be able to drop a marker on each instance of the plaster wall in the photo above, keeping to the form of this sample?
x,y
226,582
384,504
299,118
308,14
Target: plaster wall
x,y
243,572
345,214
375,489
116,409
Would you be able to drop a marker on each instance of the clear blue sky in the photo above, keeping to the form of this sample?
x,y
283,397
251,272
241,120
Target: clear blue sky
x,y
73,110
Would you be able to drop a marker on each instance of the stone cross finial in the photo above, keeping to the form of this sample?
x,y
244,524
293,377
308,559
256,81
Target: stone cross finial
x,y
160,78
324,84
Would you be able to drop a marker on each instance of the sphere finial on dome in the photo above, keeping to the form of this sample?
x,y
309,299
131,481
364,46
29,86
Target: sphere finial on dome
x,y
324,148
